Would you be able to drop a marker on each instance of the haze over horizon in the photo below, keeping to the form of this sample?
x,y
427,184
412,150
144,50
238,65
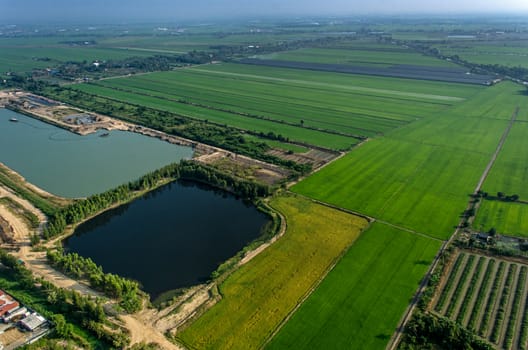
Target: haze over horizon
x,y
41,11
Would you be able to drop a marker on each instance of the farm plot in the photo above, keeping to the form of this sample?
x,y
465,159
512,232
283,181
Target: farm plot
x,y
510,173
359,303
454,75
488,296
508,218
418,177
381,56
512,53
427,90
299,108
293,133
26,58
257,297
498,102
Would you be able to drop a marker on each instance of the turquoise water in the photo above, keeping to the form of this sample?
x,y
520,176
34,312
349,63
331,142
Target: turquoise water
x,y
70,165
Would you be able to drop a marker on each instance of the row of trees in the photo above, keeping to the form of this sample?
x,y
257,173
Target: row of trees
x,y
513,72
428,331
113,285
64,307
188,170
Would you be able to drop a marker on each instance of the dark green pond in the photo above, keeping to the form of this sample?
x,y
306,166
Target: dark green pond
x,y
171,238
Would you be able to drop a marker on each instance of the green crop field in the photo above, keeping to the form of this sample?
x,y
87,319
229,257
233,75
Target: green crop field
x,y
258,296
508,218
295,133
511,53
287,102
359,303
419,176
509,173
25,59
375,57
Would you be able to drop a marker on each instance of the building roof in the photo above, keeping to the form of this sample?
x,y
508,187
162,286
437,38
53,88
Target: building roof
x,y
8,307
33,321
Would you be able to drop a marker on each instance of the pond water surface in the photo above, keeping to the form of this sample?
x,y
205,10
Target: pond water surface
x,y
70,165
173,237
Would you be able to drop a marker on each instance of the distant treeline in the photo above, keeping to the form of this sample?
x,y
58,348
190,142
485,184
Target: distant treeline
x,y
82,209
72,70
477,68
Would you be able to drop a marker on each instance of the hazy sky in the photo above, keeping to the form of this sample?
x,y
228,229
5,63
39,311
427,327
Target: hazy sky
x,y
13,11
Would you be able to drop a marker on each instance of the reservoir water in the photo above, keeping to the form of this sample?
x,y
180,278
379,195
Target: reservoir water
x,y
70,165
173,237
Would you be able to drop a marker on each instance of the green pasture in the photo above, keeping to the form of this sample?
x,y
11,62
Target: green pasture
x,y
371,58
25,59
259,295
508,218
419,176
356,113
359,303
299,107
498,102
510,171
295,133
512,54
425,89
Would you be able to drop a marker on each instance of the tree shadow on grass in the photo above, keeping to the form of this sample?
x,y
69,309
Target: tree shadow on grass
x,y
383,336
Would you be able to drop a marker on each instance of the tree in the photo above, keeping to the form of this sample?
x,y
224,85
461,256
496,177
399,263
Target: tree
x,y
492,232
500,195
63,328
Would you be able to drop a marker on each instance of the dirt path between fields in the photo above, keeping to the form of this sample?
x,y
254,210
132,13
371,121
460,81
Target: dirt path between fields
x,y
476,289
485,296
141,332
455,282
507,313
462,296
491,323
520,317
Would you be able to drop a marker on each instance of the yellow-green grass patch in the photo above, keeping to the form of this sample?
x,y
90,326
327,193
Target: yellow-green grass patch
x,y
257,297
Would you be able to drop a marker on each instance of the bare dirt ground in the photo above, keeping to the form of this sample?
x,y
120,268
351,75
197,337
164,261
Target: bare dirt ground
x,y
141,332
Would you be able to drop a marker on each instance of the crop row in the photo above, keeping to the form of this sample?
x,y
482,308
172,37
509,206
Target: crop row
x,y
449,283
523,336
503,303
460,286
469,292
481,295
491,299
519,290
